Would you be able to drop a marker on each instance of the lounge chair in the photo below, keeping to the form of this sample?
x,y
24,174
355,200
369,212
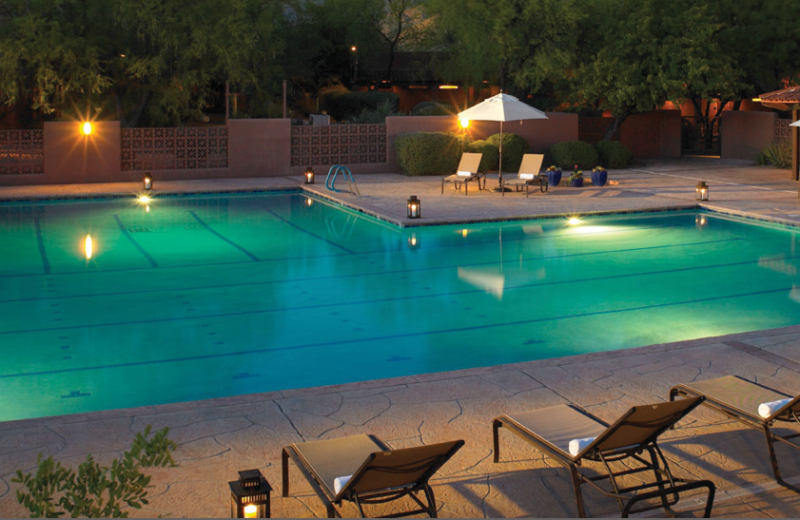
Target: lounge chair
x,y
571,436
466,173
745,401
529,175
363,470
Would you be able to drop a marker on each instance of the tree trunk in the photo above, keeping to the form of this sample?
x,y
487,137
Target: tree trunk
x,y
137,111
618,120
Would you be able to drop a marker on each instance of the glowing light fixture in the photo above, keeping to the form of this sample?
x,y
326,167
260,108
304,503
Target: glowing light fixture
x,y
414,207
309,175
701,191
574,221
87,128
353,48
448,87
144,199
250,495
464,122
148,182
88,247
464,233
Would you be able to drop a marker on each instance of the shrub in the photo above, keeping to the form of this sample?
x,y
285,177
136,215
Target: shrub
x,y
341,104
376,116
614,154
566,155
433,108
490,154
777,154
514,147
428,153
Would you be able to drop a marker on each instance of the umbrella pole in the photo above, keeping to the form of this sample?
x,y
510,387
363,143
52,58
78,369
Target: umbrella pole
x,y
501,153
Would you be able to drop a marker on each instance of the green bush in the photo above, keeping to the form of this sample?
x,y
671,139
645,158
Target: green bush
x,y
342,104
777,154
514,147
490,155
375,116
433,108
428,153
566,155
614,154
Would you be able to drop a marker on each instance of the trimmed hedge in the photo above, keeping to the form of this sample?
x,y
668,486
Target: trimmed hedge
x,y
433,108
566,155
491,155
514,147
428,153
614,154
341,104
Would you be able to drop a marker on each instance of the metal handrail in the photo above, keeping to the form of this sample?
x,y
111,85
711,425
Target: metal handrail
x,y
330,180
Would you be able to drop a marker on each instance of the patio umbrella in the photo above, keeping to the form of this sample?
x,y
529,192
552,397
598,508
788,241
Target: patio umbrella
x,y
502,108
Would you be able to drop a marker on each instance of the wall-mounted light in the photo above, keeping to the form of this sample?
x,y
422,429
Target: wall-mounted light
x,y
701,191
448,87
464,122
414,206
87,128
353,49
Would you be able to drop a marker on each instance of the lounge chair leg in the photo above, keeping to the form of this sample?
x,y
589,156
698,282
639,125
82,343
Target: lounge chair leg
x,y
496,425
285,471
772,458
331,511
432,512
576,484
442,187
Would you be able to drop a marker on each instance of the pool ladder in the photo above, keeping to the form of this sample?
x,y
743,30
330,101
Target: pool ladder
x,y
330,180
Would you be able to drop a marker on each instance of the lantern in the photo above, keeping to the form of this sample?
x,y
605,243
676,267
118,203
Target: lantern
x,y
414,207
148,182
250,495
701,191
309,174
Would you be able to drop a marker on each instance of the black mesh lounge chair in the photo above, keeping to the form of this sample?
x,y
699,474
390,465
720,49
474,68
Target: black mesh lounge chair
x,y
466,173
551,430
379,474
528,175
740,399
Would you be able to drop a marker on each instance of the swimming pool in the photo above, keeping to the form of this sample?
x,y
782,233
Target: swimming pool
x,y
192,298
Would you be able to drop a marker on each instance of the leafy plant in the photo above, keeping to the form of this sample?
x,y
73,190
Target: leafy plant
x,y
577,174
614,154
574,152
433,108
514,147
428,153
490,156
777,153
553,168
598,169
342,104
95,491
375,116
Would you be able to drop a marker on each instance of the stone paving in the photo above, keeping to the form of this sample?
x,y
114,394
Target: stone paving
x,y
217,438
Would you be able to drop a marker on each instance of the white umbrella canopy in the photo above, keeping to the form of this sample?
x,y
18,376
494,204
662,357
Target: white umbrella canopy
x,y
796,123
502,108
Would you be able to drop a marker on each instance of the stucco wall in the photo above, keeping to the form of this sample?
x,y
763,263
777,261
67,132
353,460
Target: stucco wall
x,y
744,134
655,134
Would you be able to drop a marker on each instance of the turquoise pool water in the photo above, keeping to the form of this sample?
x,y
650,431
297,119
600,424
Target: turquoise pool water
x,y
204,297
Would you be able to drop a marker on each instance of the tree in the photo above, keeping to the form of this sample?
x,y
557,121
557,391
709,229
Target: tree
x,y
519,43
151,61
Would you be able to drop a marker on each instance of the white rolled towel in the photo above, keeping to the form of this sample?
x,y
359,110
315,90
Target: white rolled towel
x,y
766,410
340,482
578,445
463,174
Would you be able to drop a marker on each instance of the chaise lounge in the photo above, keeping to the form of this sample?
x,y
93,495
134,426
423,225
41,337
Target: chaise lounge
x,y
363,470
751,404
467,172
529,175
572,437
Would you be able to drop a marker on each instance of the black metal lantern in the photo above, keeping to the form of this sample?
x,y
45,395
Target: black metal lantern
x,y
414,207
250,495
309,175
701,191
148,182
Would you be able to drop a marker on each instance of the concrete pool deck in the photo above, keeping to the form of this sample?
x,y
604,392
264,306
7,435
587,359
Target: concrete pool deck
x,y
219,437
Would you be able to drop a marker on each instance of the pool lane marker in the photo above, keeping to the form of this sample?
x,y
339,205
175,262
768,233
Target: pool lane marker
x,y
40,240
134,242
394,336
222,237
402,298
318,237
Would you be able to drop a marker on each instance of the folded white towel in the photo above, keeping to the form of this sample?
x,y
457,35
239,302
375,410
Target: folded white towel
x,y
340,482
578,445
766,410
526,176
464,174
